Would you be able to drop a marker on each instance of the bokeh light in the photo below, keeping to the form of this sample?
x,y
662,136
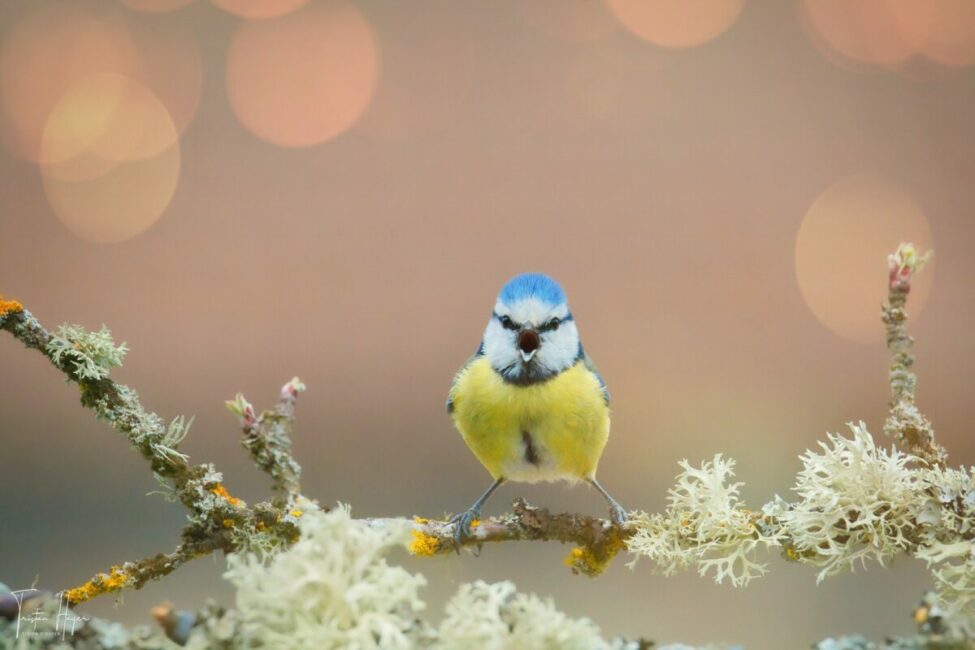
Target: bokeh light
x,y
841,247
119,204
302,79
112,116
427,71
169,62
260,8
943,30
866,30
155,6
677,23
43,55
569,20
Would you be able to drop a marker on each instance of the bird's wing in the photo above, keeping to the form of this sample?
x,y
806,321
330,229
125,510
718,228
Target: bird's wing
x,y
453,384
591,367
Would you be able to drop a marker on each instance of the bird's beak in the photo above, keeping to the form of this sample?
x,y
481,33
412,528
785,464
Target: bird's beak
x,y
528,344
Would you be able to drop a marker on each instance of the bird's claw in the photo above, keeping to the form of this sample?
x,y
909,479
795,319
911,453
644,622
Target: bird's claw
x,y
617,515
463,522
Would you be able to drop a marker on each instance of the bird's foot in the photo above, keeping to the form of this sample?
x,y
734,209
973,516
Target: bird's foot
x,y
617,515
463,522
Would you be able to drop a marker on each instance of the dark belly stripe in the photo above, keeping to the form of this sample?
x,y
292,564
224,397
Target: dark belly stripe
x,y
531,454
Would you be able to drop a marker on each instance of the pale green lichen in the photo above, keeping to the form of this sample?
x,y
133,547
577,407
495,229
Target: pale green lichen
x,y
857,502
91,355
168,442
332,589
497,617
706,525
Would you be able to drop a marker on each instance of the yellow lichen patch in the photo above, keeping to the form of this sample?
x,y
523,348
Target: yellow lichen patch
x,y
296,513
475,523
103,583
423,544
420,520
921,615
8,306
261,525
791,554
593,560
228,523
574,556
221,492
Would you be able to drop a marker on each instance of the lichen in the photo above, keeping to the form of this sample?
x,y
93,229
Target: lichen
x,y
332,589
221,492
593,560
90,355
115,580
857,502
423,544
9,306
497,617
705,524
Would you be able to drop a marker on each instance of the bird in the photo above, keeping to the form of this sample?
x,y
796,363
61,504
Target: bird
x,y
530,403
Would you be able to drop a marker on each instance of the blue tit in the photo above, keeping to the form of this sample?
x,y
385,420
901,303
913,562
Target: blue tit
x,y
530,403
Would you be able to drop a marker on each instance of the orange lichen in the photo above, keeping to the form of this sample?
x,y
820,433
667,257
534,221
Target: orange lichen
x,y
921,615
423,544
102,583
8,306
221,492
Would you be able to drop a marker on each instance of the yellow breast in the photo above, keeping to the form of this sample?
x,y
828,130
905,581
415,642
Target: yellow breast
x,y
551,430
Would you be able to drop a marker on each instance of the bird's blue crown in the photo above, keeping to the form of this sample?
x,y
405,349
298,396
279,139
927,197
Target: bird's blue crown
x,y
532,285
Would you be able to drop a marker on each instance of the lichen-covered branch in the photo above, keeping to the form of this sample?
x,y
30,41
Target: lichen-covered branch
x,y
906,424
218,520
854,502
268,439
597,540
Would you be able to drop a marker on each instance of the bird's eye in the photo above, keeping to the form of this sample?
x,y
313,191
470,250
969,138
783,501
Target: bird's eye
x,y
507,323
551,325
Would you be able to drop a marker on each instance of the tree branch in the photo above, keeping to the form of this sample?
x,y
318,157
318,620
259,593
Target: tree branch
x,y
219,521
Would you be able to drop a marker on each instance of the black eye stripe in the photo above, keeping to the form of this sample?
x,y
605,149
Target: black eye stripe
x,y
507,323
550,325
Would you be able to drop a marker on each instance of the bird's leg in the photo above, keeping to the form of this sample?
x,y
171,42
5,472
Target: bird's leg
x,y
616,512
464,519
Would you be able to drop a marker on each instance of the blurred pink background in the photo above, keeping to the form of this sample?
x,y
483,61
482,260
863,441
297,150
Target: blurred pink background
x,y
244,191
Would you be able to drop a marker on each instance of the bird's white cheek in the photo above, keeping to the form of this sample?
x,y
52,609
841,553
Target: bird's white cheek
x,y
499,345
560,348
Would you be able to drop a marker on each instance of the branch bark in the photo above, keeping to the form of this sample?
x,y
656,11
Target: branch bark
x,y
219,521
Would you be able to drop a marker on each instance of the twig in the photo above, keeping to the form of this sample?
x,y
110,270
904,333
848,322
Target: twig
x,y
268,440
905,423
218,520
598,540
